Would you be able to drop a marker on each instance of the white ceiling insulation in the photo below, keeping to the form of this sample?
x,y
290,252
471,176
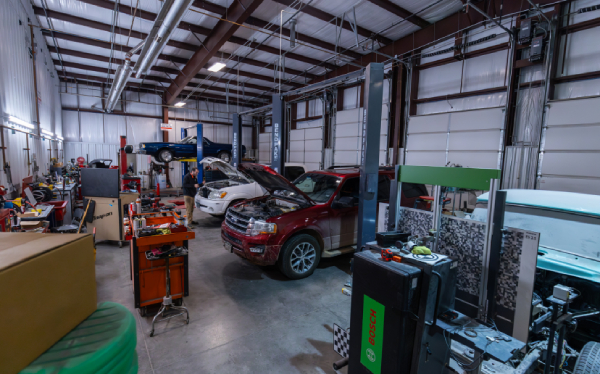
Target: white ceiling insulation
x,y
369,17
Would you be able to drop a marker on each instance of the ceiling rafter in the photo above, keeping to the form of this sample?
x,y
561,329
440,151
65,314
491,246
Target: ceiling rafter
x,y
123,48
91,56
253,21
330,18
99,69
110,5
400,12
237,13
148,88
140,35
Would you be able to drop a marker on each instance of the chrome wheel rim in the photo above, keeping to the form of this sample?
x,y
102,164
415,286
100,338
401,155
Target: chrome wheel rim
x,y
166,156
303,257
225,157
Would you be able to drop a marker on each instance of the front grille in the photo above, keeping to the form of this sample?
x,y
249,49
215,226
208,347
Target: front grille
x,y
232,239
236,221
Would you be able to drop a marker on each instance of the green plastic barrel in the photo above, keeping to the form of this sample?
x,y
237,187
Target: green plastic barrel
x,y
102,344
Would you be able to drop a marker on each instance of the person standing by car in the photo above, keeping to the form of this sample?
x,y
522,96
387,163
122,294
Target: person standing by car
x,y
190,186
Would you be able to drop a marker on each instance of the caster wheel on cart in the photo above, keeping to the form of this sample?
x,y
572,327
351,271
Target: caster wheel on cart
x,y
187,321
152,333
143,311
120,244
178,302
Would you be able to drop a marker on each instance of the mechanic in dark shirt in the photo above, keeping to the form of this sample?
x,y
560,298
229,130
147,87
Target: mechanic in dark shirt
x,y
190,186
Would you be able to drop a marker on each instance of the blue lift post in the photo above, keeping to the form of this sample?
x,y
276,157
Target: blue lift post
x,y
199,152
184,165
369,165
278,134
236,144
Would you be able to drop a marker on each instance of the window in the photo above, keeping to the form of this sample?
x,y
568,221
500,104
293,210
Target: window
x,y
318,187
293,172
350,188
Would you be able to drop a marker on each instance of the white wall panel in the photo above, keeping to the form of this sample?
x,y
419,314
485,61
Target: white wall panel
x,y
582,52
351,97
465,103
264,148
433,158
70,126
486,71
440,80
92,127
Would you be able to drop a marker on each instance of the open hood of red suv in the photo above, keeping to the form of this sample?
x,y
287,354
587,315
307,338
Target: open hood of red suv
x,y
272,181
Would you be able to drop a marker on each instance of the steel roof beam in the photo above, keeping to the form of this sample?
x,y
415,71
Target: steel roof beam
x,y
400,12
330,18
98,69
237,13
106,4
253,21
140,35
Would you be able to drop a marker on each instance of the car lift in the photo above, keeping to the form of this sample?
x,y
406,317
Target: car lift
x,y
278,134
199,153
236,144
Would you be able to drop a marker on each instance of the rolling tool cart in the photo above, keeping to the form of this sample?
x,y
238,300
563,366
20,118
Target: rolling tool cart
x,y
148,276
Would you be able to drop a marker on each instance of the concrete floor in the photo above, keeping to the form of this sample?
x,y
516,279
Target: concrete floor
x,y
243,318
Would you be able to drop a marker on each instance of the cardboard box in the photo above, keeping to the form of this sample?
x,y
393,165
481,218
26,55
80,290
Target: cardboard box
x,y
28,214
48,285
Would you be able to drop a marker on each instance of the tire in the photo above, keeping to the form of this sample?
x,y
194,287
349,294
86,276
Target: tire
x,y
165,155
225,156
588,361
303,247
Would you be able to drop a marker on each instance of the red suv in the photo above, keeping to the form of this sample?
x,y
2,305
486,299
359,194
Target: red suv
x,y
299,222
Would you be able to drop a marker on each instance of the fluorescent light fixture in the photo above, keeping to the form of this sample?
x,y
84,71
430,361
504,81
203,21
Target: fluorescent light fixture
x,y
180,104
17,121
216,66
60,137
47,132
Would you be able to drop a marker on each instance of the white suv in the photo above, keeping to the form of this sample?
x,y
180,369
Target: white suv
x,y
215,197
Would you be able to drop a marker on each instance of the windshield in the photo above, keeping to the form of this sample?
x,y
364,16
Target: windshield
x,y
188,140
318,187
564,231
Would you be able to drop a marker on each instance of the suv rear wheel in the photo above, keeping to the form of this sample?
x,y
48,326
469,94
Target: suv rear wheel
x,y
165,155
299,256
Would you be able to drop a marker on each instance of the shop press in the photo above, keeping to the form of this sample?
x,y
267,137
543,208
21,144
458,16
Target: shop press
x,y
403,315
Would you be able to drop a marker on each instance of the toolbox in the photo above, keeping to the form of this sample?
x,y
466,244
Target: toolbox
x,y
148,277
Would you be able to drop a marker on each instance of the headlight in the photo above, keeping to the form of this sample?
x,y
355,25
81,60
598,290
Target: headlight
x,y
260,227
143,145
214,195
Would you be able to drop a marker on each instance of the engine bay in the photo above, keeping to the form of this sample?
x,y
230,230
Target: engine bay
x,y
265,208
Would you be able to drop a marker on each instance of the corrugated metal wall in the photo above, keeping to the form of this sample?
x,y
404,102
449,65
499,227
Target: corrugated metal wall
x,y
17,93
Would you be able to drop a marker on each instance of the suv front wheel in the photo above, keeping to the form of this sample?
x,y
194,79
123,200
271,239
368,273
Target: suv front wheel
x,y
299,256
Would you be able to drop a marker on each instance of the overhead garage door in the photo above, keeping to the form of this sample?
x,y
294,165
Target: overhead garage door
x,y
468,138
348,136
306,147
571,147
264,148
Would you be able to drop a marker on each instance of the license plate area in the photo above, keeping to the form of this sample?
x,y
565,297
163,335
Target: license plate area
x,y
228,247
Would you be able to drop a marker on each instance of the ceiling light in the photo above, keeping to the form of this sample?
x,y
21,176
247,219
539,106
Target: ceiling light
x,y
47,132
180,104
60,137
17,121
216,66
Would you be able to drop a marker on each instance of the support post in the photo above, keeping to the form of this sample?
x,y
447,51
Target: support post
x,y
495,250
184,165
236,144
278,134
199,152
369,166
165,136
